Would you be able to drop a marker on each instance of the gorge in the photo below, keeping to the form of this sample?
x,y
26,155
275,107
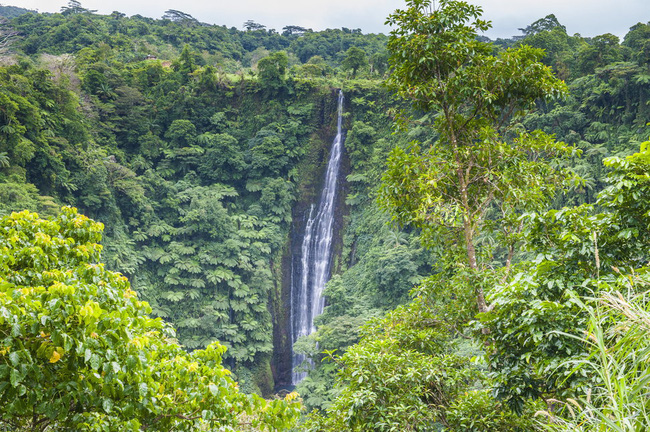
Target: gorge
x,y
312,268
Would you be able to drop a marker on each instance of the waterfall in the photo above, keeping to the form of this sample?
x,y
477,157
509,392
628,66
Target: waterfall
x,y
313,268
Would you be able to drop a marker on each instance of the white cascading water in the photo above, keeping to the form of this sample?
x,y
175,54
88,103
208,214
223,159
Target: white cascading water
x,y
307,283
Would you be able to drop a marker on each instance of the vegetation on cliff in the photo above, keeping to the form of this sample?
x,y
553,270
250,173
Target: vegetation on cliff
x,y
197,145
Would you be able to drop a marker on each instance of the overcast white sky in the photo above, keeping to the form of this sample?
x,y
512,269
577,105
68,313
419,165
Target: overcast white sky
x,y
587,17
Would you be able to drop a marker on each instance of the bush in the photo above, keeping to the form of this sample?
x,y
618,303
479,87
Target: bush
x,y
78,350
478,411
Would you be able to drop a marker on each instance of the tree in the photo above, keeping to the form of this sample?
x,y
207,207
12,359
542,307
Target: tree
x,y
379,62
179,17
604,49
181,133
480,164
272,70
185,64
78,350
548,23
291,30
251,25
638,40
7,35
355,59
74,7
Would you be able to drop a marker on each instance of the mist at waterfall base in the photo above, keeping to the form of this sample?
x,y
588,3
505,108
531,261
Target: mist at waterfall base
x,y
313,266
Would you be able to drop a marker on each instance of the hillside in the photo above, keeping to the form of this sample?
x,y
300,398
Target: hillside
x,y
200,148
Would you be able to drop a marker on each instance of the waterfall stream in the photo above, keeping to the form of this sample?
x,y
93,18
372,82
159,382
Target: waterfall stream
x,y
314,264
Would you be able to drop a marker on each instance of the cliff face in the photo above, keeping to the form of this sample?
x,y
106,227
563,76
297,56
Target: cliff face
x,y
311,176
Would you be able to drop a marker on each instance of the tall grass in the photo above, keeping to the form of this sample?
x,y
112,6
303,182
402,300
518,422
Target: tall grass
x,y
618,339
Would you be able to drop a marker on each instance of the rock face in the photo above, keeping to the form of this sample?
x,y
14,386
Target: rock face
x,y
312,268
317,224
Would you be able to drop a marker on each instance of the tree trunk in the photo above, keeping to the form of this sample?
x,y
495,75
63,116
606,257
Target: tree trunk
x,y
469,245
471,260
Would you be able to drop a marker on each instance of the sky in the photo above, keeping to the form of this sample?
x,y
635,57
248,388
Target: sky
x,y
587,17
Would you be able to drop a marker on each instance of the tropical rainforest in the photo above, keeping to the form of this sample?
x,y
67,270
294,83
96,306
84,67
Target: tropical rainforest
x,y
491,242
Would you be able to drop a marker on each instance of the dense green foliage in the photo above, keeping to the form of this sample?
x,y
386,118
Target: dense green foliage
x,y
139,37
530,336
193,171
197,146
579,252
407,374
79,352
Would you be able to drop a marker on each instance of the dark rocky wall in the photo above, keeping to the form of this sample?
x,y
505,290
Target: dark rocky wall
x,y
311,175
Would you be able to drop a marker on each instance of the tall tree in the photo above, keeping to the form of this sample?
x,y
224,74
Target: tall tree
x,y
549,22
251,25
185,63
180,17
355,59
291,30
481,167
74,7
272,69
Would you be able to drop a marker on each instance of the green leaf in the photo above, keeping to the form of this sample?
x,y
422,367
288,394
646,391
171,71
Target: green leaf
x,y
15,378
107,404
95,362
143,389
